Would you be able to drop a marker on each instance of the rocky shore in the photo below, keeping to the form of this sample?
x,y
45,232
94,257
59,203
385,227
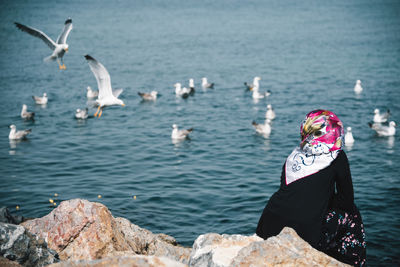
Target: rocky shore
x,y
82,233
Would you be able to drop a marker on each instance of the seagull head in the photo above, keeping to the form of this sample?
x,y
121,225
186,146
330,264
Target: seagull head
x,y
120,102
257,78
44,94
13,127
376,111
269,106
358,82
24,107
65,47
89,88
349,129
78,110
174,126
392,124
204,79
154,93
177,85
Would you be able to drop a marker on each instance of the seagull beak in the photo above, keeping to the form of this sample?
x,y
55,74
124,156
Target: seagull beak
x,y
66,49
251,88
123,105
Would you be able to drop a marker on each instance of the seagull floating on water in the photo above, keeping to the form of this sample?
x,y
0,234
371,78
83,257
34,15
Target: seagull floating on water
x,y
191,87
81,114
180,134
107,97
383,130
255,83
263,129
380,118
41,100
17,135
152,96
357,88
59,47
348,137
205,84
25,114
181,92
91,93
256,94
270,114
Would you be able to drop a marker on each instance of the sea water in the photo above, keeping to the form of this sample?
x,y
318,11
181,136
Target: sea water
x,y
308,53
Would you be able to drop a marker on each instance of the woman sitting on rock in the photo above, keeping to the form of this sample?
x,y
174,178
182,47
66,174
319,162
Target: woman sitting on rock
x,y
316,193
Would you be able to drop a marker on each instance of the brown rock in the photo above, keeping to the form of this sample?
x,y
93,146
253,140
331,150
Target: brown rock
x,y
79,229
127,261
4,262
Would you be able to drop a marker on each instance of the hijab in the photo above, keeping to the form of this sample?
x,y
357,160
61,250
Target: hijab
x,y
322,137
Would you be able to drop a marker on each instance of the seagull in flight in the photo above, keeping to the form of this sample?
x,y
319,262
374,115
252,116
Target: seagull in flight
x,y
107,97
59,47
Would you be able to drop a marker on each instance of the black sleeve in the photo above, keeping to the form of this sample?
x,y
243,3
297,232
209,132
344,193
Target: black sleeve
x,y
344,197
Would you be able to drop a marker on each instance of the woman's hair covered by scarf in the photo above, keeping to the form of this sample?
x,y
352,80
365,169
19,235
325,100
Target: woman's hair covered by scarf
x,y
321,130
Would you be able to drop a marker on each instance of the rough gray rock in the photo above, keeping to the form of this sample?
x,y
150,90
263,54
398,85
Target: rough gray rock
x,y
6,217
18,245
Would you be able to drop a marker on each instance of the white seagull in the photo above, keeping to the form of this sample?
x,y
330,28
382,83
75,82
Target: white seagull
x,y
152,96
270,114
25,114
59,47
17,135
91,93
181,92
256,94
357,88
107,97
255,83
41,100
348,137
205,84
380,118
383,130
263,129
81,114
191,87
180,134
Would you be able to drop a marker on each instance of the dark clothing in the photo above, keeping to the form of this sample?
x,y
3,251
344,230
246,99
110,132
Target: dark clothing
x,y
302,204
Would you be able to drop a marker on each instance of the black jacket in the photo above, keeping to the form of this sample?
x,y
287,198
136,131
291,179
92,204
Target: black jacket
x,y
302,205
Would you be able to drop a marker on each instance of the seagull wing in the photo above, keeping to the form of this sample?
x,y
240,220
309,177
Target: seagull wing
x,y
102,77
62,39
39,34
117,92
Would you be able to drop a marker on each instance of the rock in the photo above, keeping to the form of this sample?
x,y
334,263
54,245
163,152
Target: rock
x,y
285,249
18,245
6,217
4,262
144,242
81,230
126,261
218,250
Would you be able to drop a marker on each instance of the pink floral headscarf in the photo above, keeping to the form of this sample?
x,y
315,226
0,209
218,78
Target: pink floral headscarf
x,y
321,132
322,138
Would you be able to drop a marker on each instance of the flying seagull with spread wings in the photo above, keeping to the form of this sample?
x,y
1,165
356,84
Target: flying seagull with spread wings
x,y
59,47
107,97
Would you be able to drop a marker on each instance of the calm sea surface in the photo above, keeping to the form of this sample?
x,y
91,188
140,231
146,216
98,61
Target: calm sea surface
x,y
309,54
